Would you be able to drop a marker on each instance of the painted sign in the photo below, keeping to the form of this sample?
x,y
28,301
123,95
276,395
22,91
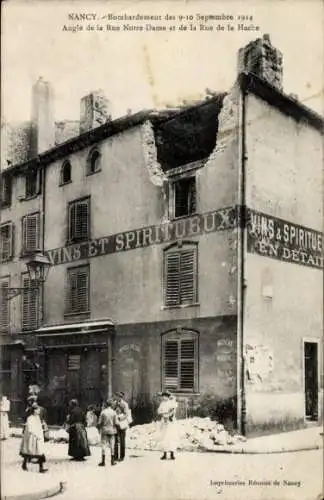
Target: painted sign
x,y
226,360
283,240
217,220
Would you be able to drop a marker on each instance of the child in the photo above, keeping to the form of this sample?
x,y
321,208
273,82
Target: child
x,y
92,431
108,429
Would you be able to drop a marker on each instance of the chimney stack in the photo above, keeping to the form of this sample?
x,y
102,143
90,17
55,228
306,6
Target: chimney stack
x,y
43,125
262,59
94,111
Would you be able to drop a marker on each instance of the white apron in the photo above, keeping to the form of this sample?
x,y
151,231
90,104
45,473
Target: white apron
x,y
168,428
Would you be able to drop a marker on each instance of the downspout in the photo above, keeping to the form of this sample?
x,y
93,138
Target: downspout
x,y
241,400
43,229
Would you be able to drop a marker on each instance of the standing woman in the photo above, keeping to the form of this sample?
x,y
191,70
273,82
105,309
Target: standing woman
x,y
4,419
166,412
32,444
78,441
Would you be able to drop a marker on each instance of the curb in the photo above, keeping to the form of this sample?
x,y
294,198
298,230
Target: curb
x,y
263,452
39,495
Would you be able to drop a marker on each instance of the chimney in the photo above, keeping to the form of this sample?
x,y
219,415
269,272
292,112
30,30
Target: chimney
x,y
262,59
43,125
94,111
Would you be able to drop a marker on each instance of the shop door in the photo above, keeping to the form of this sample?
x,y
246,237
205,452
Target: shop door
x,y
93,379
56,361
311,380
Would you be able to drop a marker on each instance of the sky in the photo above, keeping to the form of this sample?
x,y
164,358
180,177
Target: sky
x,y
150,69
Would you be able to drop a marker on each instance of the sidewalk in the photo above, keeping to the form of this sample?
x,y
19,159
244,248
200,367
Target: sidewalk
x,y
301,440
19,485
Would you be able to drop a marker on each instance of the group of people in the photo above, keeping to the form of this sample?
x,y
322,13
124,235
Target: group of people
x,y
110,424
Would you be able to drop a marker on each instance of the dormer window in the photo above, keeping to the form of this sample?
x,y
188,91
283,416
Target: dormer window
x,y
66,173
94,162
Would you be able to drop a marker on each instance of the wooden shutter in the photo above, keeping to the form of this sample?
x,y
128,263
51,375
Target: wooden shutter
x,y
187,364
31,232
187,276
30,305
78,290
172,279
171,361
6,241
79,221
4,306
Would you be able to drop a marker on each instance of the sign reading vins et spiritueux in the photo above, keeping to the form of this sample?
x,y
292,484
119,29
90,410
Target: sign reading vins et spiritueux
x,y
188,227
282,240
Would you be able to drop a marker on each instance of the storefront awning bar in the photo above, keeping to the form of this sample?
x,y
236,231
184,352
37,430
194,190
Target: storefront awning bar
x,y
73,332
65,346
77,327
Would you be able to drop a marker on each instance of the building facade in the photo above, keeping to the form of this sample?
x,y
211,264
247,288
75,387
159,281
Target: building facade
x,y
186,252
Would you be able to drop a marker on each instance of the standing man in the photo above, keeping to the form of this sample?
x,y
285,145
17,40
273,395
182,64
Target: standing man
x,y
124,419
166,411
107,425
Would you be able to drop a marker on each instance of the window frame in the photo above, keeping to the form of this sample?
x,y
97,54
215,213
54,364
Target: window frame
x,y
68,310
178,248
11,242
172,194
66,163
70,237
6,187
179,335
5,328
38,183
94,151
24,249
28,290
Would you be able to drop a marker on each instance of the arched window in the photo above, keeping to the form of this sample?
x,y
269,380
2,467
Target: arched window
x,y
180,285
93,162
180,354
66,173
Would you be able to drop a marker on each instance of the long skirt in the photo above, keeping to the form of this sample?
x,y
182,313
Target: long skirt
x,y
168,436
78,442
4,425
31,446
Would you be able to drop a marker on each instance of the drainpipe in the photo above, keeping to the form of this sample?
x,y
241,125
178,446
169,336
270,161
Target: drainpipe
x,y
241,401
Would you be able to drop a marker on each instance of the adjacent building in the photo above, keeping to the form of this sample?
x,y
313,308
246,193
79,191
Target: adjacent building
x,y
186,249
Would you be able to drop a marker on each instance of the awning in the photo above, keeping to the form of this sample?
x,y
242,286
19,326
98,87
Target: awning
x,y
86,327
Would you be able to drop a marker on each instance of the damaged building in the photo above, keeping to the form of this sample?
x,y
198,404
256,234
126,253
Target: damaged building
x,y
186,251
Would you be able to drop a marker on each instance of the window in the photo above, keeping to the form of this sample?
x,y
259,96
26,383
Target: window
x,y
6,241
4,304
65,175
180,361
74,362
93,162
77,299
31,233
33,183
6,190
79,220
30,304
184,197
180,275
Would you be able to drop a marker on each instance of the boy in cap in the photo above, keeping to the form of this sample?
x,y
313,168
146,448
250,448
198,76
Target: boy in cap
x,y
124,418
107,425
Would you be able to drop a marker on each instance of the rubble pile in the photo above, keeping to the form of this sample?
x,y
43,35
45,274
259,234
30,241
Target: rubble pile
x,y
192,434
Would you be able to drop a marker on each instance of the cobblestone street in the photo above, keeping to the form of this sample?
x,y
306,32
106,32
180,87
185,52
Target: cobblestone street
x,y
191,476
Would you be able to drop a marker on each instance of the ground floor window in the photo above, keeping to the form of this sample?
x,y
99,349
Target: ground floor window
x,y
180,361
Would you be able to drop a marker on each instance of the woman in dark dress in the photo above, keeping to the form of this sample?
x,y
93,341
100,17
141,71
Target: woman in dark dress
x,y
76,423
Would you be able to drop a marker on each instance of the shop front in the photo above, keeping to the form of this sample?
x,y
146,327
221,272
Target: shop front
x,y
75,362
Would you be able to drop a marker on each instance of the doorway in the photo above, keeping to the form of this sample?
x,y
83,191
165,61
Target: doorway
x,y
311,380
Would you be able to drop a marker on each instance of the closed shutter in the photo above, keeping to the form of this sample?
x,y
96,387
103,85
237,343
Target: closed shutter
x,y
187,276
78,290
187,364
31,230
4,306
172,285
181,277
6,240
30,305
171,360
79,220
